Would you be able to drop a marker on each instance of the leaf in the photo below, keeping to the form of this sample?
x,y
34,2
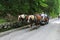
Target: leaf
x,y
43,4
1,7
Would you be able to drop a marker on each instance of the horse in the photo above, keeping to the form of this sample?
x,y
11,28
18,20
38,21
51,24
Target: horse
x,y
37,19
33,19
21,17
30,19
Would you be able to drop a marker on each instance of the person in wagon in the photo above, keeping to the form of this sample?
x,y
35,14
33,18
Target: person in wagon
x,y
44,14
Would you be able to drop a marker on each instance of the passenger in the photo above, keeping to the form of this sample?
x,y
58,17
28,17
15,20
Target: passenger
x,y
43,14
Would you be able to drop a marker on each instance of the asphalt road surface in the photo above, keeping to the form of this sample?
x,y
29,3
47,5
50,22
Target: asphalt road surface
x,y
50,31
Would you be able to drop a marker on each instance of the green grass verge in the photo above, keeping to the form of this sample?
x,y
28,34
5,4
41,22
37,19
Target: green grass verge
x,y
2,21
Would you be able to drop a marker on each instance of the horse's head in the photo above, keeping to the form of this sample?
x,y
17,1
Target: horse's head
x,y
44,18
19,17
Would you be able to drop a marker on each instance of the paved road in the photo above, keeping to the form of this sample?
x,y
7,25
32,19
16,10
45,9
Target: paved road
x,y
50,31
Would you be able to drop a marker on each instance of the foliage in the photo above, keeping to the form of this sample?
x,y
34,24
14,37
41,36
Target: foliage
x,y
16,7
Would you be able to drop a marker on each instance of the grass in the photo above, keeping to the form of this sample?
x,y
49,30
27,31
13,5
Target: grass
x,y
2,21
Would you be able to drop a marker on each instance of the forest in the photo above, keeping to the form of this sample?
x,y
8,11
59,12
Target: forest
x,y
17,7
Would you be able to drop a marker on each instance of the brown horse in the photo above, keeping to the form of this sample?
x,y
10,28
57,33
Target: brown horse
x,y
37,19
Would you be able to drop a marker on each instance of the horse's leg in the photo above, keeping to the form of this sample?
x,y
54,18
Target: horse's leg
x,y
30,25
37,24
